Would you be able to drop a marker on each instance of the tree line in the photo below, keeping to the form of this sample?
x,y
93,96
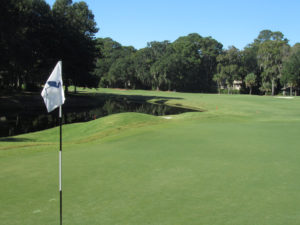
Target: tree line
x,y
193,63
35,36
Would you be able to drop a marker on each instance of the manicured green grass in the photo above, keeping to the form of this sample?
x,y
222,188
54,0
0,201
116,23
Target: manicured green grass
x,y
238,162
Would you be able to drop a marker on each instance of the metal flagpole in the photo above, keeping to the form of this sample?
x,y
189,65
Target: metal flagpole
x,y
60,175
53,99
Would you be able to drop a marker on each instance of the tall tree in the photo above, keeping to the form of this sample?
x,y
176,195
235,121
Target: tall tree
x,y
265,87
229,66
250,65
143,62
188,51
122,73
273,47
14,49
250,81
64,50
39,30
25,31
219,78
291,70
157,51
75,28
270,57
198,61
210,49
108,53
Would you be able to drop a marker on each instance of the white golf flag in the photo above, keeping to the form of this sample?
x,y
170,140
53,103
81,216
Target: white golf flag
x,y
53,92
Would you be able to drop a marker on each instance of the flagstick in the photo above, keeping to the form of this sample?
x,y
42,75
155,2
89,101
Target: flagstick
x,y
60,151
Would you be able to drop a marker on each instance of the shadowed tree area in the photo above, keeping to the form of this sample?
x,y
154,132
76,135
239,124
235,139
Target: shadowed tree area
x,y
34,37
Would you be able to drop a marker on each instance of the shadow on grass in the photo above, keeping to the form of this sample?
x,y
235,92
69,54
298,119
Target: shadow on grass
x,y
136,98
14,139
92,100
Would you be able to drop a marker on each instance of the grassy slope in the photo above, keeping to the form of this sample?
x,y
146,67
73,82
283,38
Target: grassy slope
x,y
235,163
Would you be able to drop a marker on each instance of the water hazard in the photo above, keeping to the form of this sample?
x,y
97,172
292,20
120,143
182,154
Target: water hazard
x,y
25,121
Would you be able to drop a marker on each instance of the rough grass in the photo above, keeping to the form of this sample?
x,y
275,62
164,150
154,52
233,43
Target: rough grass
x,y
235,163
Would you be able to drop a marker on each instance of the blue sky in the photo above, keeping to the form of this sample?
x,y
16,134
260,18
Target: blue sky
x,y
231,22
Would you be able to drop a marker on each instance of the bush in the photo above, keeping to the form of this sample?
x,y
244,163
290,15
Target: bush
x,y
225,91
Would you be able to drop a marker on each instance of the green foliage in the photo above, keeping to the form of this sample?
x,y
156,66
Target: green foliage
x,y
157,71
268,35
121,73
190,63
187,64
220,79
75,29
229,66
114,66
291,70
272,50
266,87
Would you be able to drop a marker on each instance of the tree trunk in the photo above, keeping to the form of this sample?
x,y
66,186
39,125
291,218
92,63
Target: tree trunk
x,y
291,91
20,83
15,82
250,90
273,87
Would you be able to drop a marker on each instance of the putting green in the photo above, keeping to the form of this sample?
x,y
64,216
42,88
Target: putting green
x,y
235,163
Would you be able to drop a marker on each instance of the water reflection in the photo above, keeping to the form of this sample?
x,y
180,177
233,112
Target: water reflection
x,y
24,122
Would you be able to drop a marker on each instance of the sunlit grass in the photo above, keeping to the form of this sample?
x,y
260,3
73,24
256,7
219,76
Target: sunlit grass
x,y
235,163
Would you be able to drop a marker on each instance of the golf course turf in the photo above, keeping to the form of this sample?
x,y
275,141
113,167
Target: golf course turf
x,y
235,163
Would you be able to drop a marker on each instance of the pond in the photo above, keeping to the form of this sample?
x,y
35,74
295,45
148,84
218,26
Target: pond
x,y
29,121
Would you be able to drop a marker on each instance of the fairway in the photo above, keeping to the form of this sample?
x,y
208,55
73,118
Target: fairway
x,y
235,163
